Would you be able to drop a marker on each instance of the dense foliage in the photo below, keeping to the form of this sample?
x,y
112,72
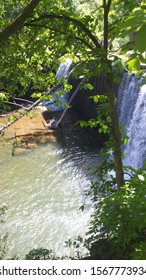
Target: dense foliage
x,y
119,217
99,35
69,28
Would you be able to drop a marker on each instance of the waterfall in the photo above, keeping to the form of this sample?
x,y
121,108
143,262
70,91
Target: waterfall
x,y
132,114
61,73
63,69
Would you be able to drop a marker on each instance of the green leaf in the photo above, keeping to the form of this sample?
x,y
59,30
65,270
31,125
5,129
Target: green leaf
x,y
83,123
89,86
67,87
133,64
129,22
96,98
11,119
140,43
2,96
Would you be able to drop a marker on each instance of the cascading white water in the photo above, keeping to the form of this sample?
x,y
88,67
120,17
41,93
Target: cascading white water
x,y
132,114
61,73
63,69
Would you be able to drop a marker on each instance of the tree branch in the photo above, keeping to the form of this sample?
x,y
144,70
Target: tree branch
x,y
76,22
24,100
15,104
58,31
106,7
18,22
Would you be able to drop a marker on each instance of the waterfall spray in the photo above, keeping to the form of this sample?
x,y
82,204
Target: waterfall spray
x,y
62,71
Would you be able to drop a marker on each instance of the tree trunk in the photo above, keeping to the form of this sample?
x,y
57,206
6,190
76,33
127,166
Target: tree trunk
x,y
18,22
115,133
112,103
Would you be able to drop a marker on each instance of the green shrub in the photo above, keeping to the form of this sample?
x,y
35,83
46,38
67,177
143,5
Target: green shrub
x,y
120,216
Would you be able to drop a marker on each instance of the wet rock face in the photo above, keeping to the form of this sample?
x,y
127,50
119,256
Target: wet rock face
x,y
83,102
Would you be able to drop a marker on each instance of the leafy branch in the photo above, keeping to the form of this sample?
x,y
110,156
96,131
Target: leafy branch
x,y
63,33
76,22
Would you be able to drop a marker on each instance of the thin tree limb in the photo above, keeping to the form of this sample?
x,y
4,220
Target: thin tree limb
x,y
15,104
24,100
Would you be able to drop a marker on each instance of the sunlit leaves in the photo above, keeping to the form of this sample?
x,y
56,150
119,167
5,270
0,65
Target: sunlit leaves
x,y
88,86
132,20
67,87
95,98
2,96
9,10
133,64
33,54
11,119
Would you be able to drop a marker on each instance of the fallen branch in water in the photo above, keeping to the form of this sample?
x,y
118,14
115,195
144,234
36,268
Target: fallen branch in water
x,y
21,115
51,91
69,103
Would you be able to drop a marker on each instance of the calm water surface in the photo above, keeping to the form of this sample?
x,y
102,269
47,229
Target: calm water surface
x,y
43,191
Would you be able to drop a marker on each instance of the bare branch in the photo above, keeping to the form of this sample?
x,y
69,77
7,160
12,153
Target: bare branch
x,y
24,100
15,104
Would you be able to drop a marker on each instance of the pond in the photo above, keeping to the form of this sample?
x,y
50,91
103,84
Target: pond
x,y
43,191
